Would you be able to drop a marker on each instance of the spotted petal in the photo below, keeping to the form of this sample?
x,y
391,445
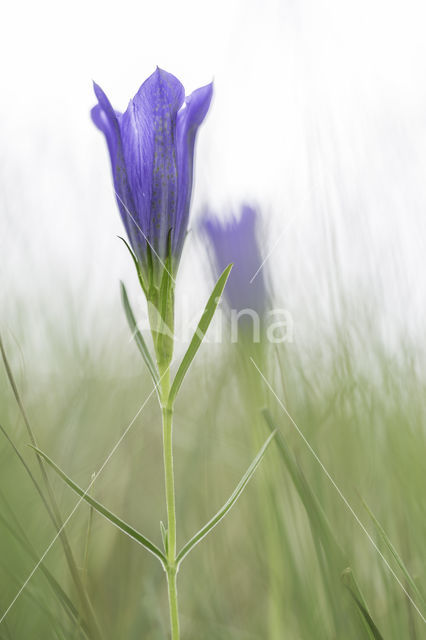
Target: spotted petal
x,y
148,133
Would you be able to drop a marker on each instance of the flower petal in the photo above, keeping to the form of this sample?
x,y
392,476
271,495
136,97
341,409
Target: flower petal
x,y
189,119
237,241
108,121
148,134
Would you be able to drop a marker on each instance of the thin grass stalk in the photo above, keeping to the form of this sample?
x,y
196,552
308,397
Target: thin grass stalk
x,y
54,513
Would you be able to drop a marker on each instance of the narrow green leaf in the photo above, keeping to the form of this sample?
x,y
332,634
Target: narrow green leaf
x,y
395,554
199,334
368,619
120,524
165,537
227,506
351,585
138,336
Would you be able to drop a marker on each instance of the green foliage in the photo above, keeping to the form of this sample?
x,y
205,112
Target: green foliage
x,y
199,333
274,571
138,338
227,506
350,583
115,520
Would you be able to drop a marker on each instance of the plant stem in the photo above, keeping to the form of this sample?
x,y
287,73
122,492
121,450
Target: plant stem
x,y
173,603
167,415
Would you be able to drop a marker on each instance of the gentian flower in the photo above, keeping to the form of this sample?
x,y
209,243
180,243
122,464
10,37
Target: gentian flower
x,y
151,147
236,241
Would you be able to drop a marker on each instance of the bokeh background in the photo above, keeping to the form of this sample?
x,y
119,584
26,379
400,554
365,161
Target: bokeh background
x,y
318,119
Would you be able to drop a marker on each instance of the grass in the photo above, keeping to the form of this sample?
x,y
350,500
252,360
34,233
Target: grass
x,y
290,561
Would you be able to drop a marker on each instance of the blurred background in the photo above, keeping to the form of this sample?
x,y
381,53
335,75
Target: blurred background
x,y
318,120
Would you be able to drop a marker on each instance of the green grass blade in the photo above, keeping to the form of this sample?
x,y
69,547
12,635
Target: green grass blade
x,y
375,633
395,554
56,625
331,558
20,536
228,504
199,334
369,625
30,474
313,509
88,538
120,524
143,348
56,523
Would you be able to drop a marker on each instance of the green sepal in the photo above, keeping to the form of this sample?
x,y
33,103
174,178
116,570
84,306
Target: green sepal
x,y
164,304
150,261
137,266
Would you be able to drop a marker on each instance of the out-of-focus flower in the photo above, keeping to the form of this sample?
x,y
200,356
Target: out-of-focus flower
x,y
151,147
236,241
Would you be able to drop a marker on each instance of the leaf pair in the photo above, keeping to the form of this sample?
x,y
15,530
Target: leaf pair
x,y
141,539
194,345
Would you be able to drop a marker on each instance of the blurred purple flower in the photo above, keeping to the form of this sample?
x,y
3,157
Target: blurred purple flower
x,y
236,241
151,147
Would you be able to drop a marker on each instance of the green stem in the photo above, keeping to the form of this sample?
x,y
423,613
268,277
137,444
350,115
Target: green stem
x,y
173,603
167,414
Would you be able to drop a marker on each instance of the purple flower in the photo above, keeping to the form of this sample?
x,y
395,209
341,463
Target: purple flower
x,y
151,146
236,241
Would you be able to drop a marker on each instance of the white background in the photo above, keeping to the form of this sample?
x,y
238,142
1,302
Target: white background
x,y
319,117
